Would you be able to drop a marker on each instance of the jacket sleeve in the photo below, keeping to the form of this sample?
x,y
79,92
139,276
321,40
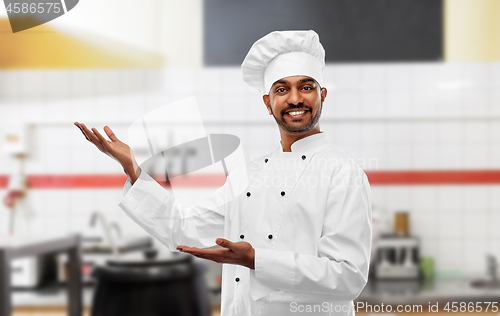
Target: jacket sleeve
x,y
156,210
339,272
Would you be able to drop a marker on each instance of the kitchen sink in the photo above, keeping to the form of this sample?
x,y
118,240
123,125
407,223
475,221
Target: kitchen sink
x,y
486,284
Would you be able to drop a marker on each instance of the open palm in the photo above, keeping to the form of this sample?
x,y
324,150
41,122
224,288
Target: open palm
x,y
114,148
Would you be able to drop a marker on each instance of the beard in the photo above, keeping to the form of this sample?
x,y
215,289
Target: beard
x,y
305,127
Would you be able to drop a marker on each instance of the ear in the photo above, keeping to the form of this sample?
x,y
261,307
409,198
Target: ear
x,y
267,102
323,94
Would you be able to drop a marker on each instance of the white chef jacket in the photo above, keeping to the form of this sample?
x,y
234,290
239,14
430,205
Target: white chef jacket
x,y
307,213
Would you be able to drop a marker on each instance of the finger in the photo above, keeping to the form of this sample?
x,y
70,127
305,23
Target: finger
x,y
204,252
184,248
103,140
110,134
81,130
193,250
87,135
92,136
224,243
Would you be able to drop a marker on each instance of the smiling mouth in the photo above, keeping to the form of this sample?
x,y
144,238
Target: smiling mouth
x,y
297,113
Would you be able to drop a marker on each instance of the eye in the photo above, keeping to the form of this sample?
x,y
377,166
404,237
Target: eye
x,y
307,88
280,90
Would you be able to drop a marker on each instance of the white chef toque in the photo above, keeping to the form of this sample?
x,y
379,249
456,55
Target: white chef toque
x,y
282,54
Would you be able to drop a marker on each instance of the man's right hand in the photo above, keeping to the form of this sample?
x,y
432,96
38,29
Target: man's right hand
x,y
114,148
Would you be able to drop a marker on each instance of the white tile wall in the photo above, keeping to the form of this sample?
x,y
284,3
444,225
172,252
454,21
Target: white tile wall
x,y
474,259
448,117
494,100
450,225
424,156
346,103
494,198
424,199
398,103
373,157
372,103
450,132
373,133
429,247
424,132
450,99
399,133
476,225
399,76
451,156
426,76
373,76
398,156
475,101
425,224
424,101
344,77
450,198
476,198
450,254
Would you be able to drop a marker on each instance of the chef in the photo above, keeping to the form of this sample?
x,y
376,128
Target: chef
x,y
297,241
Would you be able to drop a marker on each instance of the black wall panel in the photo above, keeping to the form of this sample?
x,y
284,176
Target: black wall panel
x,y
350,30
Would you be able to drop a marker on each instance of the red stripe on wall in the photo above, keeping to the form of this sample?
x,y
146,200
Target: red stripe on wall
x,y
216,180
75,181
436,177
396,177
108,181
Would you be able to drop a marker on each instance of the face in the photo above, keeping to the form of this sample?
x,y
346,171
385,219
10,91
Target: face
x,y
296,103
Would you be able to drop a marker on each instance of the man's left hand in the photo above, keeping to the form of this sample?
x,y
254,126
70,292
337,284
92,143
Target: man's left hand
x,y
241,253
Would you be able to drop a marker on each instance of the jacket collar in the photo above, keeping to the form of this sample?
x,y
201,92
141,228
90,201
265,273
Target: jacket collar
x,y
309,144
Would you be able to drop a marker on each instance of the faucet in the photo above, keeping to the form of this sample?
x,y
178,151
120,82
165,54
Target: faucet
x,y
106,228
117,229
491,266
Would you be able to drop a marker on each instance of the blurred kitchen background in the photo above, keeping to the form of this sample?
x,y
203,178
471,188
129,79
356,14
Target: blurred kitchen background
x,y
413,97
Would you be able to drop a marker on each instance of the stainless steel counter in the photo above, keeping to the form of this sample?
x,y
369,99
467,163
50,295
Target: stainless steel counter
x,y
415,292
17,247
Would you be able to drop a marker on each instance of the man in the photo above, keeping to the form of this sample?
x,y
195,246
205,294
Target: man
x,y
298,240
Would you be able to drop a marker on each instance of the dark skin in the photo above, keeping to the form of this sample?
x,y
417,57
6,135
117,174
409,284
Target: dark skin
x,y
292,94
298,95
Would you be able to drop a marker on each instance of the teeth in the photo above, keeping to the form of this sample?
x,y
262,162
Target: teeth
x,y
296,112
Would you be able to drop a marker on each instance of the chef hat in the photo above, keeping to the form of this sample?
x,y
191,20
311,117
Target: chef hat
x,y
282,54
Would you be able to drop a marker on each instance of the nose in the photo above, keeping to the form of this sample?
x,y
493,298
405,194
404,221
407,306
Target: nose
x,y
295,97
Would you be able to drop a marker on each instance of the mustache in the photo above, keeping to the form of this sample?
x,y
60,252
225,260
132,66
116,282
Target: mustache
x,y
295,106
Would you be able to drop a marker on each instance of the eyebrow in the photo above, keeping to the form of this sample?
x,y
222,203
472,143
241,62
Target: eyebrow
x,y
282,81
307,80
